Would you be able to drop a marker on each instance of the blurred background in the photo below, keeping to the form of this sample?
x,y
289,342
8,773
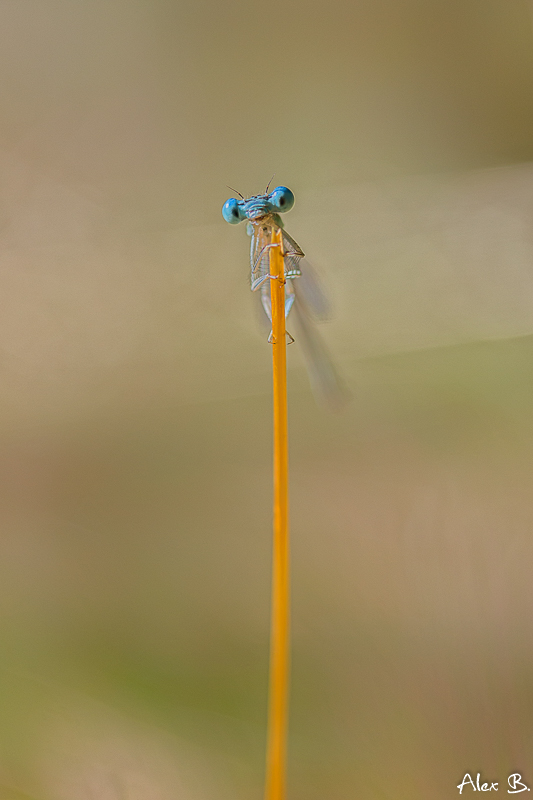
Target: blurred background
x,y
135,403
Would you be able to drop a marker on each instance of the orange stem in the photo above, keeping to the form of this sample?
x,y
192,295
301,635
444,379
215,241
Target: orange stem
x,y
276,765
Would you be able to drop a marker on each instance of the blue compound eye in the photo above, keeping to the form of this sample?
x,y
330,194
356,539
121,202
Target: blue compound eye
x,y
282,199
232,211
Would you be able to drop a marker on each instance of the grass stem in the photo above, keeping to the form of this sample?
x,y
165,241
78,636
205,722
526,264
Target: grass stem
x,y
276,763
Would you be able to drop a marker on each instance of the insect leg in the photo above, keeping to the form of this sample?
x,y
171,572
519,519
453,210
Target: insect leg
x,y
259,257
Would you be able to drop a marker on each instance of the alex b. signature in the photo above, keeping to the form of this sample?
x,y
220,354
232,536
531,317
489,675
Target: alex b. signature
x,y
514,781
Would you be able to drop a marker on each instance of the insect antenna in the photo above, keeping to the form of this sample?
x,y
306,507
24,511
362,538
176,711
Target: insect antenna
x,y
236,192
268,184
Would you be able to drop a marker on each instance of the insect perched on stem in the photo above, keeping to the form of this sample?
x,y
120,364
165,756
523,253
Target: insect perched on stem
x,y
302,289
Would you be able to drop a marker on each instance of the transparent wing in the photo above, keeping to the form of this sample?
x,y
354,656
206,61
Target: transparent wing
x,y
311,294
260,255
308,287
293,256
326,383
303,293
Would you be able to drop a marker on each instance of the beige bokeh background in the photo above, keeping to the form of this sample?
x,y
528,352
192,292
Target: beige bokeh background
x,y
135,419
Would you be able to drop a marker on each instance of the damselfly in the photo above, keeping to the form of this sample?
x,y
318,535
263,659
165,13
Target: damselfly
x,y
302,289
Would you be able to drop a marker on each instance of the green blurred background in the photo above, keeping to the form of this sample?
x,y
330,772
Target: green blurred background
x,y
135,403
